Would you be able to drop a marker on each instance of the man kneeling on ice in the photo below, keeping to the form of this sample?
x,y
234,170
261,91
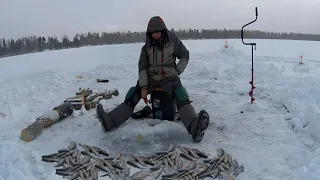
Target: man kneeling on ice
x,y
158,69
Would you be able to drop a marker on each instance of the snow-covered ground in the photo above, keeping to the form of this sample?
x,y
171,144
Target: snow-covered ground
x,y
270,141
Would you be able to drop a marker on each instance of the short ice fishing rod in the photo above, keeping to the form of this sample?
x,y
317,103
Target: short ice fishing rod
x,y
251,44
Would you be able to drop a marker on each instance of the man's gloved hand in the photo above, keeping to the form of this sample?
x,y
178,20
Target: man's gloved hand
x,y
144,93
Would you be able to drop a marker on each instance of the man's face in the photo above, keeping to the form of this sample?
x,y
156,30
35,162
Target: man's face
x,y
156,35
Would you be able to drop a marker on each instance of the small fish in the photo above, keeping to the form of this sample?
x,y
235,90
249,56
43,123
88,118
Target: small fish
x,y
225,166
170,163
169,175
150,174
186,156
239,170
74,154
215,174
63,169
63,173
102,168
147,161
64,165
74,176
193,154
66,159
214,165
235,163
103,175
217,163
50,160
159,163
189,177
165,162
85,147
86,160
50,155
67,153
78,156
199,153
111,158
63,150
95,175
161,152
189,167
72,145
100,151
80,173
131,163
123,164
89,167
229,159
92,149
95,152
59,155
225,175
184,149
71,160
186,173
108,164
117,166
78,167
210,161
176,158
93,169
221,168
85,173
86,153
60,162
212,173
225,159
137,159
171,147
220,153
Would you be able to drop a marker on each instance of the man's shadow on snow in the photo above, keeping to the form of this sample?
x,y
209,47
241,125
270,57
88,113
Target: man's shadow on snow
x,y
139,138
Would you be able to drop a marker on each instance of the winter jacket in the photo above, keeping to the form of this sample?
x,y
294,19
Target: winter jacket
x,y
158,60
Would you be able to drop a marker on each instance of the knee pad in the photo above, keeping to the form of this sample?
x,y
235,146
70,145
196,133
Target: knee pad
x,y
132,97
130,92
182,96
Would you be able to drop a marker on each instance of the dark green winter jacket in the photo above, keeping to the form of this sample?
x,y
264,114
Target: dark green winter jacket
x,y
158,60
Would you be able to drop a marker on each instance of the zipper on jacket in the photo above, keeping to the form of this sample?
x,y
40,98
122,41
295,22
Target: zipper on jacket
x,y
154,56
163,73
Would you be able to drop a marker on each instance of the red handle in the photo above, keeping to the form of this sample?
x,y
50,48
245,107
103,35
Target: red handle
x,y
145,100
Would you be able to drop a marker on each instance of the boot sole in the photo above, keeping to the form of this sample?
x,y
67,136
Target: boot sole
x,y
203,123
99,117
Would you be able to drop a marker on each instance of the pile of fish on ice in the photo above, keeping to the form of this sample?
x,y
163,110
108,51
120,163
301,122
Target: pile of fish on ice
x,y
177,162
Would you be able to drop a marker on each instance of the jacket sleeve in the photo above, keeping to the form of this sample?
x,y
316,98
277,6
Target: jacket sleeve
x,y
182,53
143,68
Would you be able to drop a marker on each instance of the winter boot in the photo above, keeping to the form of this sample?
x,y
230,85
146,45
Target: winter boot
x,y
199,126
105,119
196,125
115,117
187,115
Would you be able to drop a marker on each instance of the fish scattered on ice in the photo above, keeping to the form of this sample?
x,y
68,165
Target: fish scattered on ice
x,y
182,162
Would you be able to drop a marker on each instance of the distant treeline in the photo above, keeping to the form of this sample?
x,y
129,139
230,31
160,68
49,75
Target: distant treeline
x,y
10,47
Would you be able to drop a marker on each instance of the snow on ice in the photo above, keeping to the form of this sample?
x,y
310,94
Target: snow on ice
x,y
274,138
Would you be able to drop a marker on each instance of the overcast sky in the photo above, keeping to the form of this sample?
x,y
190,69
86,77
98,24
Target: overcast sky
x,y
58,17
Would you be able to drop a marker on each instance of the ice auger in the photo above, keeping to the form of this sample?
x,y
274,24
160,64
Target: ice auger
x,y
251,44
